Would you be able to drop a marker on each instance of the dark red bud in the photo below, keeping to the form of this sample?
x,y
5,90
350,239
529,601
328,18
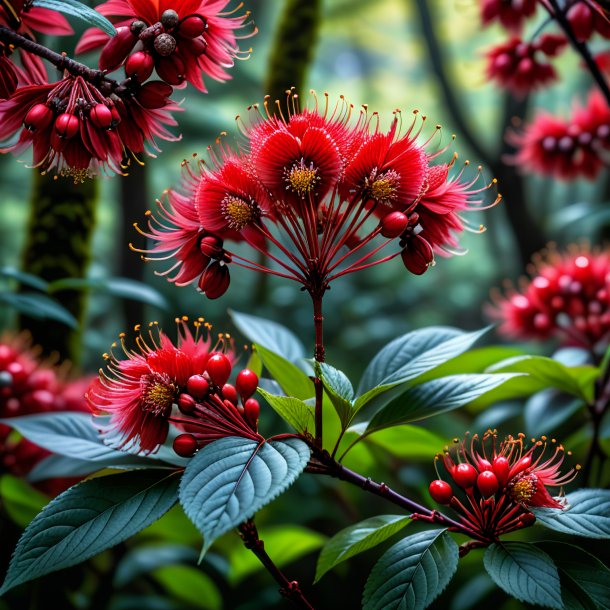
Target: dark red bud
x,y
154,94
418,255
393,224
140,65
39,116
551,44
171,69
185,445
211,246
215,280
101,116
186,403
581,19
527,519
219,368
198,386
465,475
67,125
246,383
229,392
165,44
440,491
501,468
18,373
192,26
117,49
487,482
252,412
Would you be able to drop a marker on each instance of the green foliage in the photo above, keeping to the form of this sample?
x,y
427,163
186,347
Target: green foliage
x,y
295,412
190,585
292,380
20,500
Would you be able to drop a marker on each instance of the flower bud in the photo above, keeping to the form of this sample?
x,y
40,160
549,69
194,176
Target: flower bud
x,y
580,17
185,445
140,65
154,94
101,116
39,116
171,69
501,467
165,44
186,403
215,280
246,383
67,125
219,368
211,246
465,475
252,410
393,224
198,386
440,491
229,392
117,49
192,26
487,482
418,255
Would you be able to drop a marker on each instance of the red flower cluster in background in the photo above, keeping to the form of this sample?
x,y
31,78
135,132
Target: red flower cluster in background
x,y
183,384
566,297
496,483
310,190
29,386
510,13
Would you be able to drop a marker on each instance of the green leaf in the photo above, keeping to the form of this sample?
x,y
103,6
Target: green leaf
x,y
545,411
412,573
339,389
190,585
357,539
61,466
79,10
290,377
39,306
271,335
285,543
524,572
578,381
434,397
588,515
584,578
27,279
89,518
406,442
229,480
292,410
21,501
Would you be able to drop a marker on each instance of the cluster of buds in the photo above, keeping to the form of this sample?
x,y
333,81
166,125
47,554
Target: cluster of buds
x,y
511,14
587,18
495,484
185,385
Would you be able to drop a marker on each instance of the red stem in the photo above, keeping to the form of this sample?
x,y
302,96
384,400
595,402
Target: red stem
x,y
320,356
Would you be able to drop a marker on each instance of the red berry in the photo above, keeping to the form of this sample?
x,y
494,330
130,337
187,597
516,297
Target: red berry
x,y
440,491
219,368
229,392
211,246
252,411
192,26
67,125
39,116
215,280
501,468
139,65
18,373
185,445
487,482
186,403
246,382
581,19
465,475
198,386
393,224
101,116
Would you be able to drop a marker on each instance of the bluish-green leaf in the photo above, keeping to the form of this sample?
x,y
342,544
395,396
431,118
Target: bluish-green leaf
x,y
339,389
524,572
292,410
547,410
229,480
27,279
357,539
588,514
434,397
79,10
39,306
269,334
89,518
412,573
293,381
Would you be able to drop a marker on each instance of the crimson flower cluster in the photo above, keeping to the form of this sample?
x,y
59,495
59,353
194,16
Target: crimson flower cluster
x,y
511,14
495,484
29,386
183,384
566,297
577,146
311,189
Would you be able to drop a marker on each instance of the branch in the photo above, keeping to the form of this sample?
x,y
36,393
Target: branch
x,y
288,589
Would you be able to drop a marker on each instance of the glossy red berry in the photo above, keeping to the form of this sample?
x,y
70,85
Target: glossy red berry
x,y
67,125
211,246
440,491
581,19
219,368
198,386
465,475
192,26
229,393
139,65
185,445
186,403
246,383
501,468
252,411
39,116
393,224
101,116
487,482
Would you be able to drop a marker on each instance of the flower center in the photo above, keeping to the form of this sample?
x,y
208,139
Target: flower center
x,y
523,488
383,188
302,179
238,213
157,394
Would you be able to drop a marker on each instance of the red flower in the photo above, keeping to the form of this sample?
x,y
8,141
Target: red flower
x,y
510,13
311,190
494,484
566,148
140,392
184,39
76,130
586,18
521,66
567,296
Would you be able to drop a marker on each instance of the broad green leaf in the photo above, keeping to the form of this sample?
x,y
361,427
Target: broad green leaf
x,y
284,543
407,442
584,578
190,585
290,377
270,335
21,501
547,410
578,381
39,306
357,539
588,514
412,573
88,519
79,10
524,572
229,480
62,466
339,390
434,397
27,279
292,410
